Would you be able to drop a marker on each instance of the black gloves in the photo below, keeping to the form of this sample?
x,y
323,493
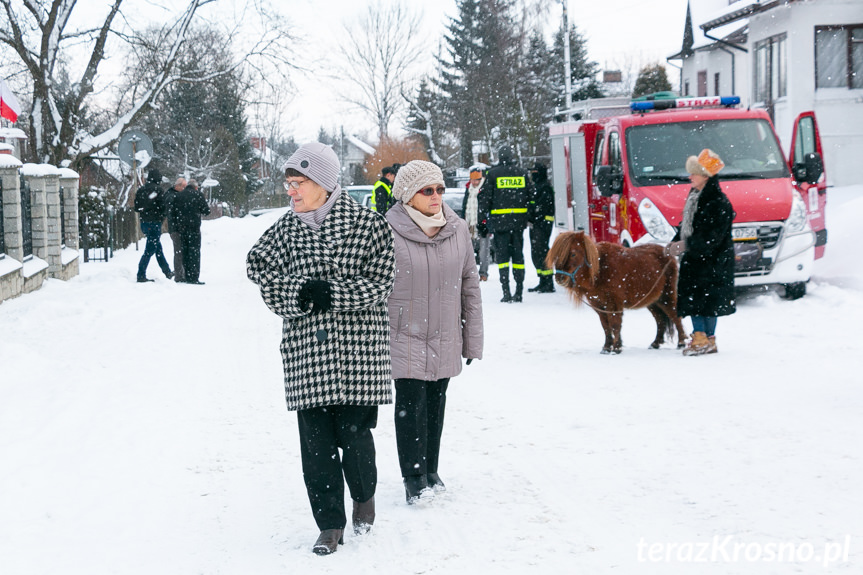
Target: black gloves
x,y
482,228
315,296
470,359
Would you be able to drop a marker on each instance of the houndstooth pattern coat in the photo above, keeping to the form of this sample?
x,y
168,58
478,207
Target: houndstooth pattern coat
x,y
340,357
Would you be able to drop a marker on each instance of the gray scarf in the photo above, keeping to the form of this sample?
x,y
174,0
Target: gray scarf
x,y
689,213
315,218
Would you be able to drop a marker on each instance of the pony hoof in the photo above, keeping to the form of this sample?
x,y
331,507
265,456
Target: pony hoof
x,y
654,345
605,351
616,351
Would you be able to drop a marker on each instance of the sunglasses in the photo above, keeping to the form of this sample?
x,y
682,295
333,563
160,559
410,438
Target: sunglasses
x,y
294,184
432,191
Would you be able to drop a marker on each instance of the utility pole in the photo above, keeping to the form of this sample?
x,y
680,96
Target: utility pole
x,y
567,73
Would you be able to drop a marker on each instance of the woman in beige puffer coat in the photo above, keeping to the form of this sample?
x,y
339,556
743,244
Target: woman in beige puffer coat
x,y
435,313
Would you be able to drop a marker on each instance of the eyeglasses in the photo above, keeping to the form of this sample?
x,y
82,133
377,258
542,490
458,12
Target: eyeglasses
x,y
294,184
431,191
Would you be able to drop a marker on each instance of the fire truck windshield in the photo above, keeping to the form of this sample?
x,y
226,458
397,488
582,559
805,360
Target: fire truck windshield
x,y
656,153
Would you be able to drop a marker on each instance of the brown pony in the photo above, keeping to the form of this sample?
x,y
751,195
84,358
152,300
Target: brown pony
x,y
610,278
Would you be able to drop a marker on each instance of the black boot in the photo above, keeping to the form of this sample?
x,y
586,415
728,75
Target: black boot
x,y
504,284
516,298
435,483
546,285
538,286
417,489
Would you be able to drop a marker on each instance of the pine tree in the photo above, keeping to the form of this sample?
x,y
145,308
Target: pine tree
x,y
652,78
583,71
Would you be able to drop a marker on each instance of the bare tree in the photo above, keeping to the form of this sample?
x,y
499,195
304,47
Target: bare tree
x,y
378,52
37,33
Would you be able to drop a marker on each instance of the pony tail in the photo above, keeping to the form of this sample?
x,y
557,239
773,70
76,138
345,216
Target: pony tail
x,y
592,255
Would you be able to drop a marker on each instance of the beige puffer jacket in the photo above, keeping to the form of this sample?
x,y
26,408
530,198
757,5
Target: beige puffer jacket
x,y
435,308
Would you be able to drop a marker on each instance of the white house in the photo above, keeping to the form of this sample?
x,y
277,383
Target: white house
x,y
787,56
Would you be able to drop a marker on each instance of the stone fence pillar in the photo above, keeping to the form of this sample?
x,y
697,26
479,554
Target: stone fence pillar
x,y
45,204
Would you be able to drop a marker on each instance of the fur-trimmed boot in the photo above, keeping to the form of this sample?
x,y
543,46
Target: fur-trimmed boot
x,y
698,345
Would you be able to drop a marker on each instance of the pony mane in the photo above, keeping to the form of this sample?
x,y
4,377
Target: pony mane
x,y
591,253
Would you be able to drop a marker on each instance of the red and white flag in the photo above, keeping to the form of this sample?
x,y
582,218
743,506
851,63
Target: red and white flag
x,y
9,105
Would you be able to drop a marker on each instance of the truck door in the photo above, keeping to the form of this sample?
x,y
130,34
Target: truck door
x,y
598,209
613,203
805,146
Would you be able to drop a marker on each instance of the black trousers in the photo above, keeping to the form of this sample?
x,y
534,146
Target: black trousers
x,y
419,411
539,235
323,430
509,246
192,254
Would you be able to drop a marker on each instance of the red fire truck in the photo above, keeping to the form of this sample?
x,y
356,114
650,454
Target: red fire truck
x,y
621,178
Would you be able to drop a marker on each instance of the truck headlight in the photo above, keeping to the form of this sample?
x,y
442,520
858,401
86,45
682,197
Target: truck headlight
x,y
654,222
798,219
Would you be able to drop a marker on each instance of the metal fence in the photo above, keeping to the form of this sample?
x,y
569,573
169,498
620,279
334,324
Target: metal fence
x,y
102,233
26,219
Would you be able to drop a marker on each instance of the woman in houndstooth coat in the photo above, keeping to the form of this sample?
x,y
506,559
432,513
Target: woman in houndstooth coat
x,y
327,268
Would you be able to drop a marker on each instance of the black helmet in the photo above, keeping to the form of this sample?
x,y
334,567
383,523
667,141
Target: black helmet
x,y
154,176
505,153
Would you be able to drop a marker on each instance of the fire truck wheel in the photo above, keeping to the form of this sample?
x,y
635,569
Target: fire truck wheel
x,y
795,291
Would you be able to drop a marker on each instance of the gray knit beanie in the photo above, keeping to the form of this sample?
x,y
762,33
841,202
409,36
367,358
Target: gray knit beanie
x,y
319,163
414,176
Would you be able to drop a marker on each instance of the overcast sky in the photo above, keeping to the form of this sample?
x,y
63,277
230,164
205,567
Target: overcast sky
x,y
619,33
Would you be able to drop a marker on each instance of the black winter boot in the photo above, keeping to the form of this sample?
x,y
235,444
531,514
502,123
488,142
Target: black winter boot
x,y
417,489
504,284
538,287
546,285
519,288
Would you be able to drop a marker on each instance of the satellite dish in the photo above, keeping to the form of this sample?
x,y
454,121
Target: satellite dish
x,y
132,144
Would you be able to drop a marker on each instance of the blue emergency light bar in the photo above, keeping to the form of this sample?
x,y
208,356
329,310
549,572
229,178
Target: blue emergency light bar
x,y
705,102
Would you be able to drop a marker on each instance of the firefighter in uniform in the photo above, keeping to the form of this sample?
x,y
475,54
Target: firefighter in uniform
x,y
542,221
382,194
503,210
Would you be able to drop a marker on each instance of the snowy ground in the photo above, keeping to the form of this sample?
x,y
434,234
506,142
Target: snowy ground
x,y
143,430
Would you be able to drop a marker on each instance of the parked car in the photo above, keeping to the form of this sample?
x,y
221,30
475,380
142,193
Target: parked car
x,y
361,194
454,197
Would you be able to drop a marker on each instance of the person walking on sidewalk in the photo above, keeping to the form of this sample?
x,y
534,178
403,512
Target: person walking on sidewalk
x,y
150,205
503,211
435,319
187,207
327,268
541,224
174,230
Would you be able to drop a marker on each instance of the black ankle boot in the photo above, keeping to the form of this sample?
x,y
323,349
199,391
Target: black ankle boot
x,y
516,298
435,483
417,489
507,295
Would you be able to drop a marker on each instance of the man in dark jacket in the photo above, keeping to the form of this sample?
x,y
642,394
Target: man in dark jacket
x,y
174,231
186,210
382,194
149,203
503,206
542,221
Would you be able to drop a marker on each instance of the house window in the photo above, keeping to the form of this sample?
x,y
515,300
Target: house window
x,y
702,83
686,88
716,84
839,56
770,69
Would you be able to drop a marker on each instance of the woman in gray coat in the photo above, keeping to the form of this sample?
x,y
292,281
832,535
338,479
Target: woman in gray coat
x,y
326,267
435,318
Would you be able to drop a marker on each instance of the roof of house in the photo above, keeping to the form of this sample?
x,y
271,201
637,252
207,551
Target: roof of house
x,y
366,148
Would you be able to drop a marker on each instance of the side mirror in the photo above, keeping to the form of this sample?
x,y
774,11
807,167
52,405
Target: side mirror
x,y
810,170
609,180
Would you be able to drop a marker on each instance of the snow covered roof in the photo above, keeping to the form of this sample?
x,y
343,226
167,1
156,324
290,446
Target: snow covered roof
x,y
13,133
366,148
